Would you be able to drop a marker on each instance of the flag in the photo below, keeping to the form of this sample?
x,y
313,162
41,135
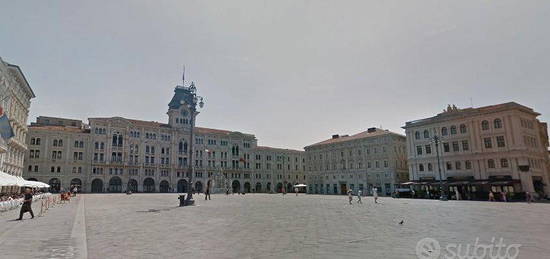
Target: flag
x,y
242,160
6,132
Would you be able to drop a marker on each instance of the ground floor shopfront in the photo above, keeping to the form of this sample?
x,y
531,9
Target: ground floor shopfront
x,y
502,187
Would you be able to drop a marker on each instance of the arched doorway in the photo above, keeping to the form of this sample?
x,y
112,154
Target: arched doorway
x,y
268,188
182,186
279,187
115,184
76,183
148,185
236,186
97,185
247,187
164,186
258,187
198,187
55,185
132,185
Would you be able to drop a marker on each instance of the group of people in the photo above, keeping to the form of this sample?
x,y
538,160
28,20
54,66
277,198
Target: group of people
x,y
360,194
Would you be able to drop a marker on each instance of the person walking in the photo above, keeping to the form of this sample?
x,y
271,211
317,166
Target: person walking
x,y
350,197
504,195
491,196
207,193
528,197
359,193
27,202
375,194
296,190
74,191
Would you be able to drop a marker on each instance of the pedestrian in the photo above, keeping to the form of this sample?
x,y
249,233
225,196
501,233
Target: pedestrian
x,y
375,195
528,197
74,191
296,190
412,193
491,196
207,194
350,196
359,193
457,194
504,196
27,202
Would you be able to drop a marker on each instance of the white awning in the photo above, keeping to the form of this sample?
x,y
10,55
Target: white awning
x,y
10,180
7,179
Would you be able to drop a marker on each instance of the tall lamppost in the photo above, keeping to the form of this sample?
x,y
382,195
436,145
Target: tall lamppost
x,y
191,100
442,196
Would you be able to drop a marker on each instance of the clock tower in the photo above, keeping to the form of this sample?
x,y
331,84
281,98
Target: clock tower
x,y
179,113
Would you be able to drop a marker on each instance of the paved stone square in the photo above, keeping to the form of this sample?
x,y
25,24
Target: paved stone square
x,y
266,226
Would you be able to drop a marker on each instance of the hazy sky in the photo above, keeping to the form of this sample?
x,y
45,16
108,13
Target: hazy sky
x,y
291,72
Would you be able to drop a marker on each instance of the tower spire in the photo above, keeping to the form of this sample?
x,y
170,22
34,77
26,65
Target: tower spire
x,y
183,77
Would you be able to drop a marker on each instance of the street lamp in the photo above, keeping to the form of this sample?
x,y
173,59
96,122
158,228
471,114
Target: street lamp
x,y
191,100
442,196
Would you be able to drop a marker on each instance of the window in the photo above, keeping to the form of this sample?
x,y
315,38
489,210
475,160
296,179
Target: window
x,y
500,141
497,123
444,131
417,135
468,164
485,125
455,146
428,149
453,130
465,145
488,143
458,165
446,147
504,163
419,150
430,167
449,166
426,134
491,163
463,128
421,167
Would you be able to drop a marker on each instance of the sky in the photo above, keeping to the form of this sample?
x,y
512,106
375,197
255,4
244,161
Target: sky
x,y
291,72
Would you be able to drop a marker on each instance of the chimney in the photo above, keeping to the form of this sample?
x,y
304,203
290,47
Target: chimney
x,y
335,136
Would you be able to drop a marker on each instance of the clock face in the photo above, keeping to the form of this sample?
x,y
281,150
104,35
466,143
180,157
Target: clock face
x,y
184,113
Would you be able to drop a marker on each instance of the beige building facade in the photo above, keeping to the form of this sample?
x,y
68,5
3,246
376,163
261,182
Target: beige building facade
x,y
15,102
375,158
115,154
495,148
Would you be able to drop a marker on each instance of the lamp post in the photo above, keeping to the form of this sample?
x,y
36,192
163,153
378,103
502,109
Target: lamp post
x,y
191,100
442,196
